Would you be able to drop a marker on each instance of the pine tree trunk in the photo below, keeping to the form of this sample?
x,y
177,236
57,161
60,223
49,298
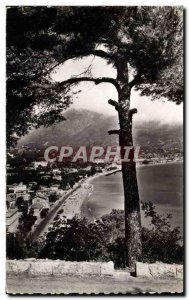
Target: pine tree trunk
x,y
131,194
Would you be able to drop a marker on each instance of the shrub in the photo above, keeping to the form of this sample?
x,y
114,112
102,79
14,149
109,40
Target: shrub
x,y
161,242
17,247
44,213
104,240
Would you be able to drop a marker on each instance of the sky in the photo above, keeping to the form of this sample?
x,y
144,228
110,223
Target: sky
x,y
95,97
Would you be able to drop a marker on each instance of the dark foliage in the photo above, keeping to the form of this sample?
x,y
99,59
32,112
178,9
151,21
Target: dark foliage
x,y
44,212
17,247
79,240
161,242
26,220
41,38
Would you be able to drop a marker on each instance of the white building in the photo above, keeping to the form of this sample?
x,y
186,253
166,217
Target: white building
x,y
11,200
27,197
54,187
18,189
40,164
57,177
12,220
38,204
56,172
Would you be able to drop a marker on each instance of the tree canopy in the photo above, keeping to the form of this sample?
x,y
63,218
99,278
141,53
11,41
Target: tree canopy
x,y
148,39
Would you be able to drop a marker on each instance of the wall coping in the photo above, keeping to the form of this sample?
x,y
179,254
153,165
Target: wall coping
x,y
37,267
42,267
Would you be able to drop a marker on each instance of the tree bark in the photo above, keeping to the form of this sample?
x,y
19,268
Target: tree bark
x,y
131,194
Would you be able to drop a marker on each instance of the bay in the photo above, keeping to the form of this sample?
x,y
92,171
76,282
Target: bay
x,y
161,184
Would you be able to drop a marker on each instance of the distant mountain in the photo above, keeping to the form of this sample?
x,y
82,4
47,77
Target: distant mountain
x,y
84,127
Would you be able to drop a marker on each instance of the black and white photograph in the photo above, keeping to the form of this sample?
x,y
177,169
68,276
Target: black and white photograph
x,y
94,150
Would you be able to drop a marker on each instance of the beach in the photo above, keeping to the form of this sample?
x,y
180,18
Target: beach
x,y
161,184
76,204
69,205
93,196
157,183
72,205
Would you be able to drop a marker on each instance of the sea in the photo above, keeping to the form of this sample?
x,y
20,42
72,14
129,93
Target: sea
x,y
162,184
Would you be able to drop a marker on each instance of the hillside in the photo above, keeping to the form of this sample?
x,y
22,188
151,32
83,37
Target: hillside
x,y
83,127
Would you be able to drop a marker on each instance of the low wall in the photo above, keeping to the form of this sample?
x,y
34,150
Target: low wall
x,y
158,270
39,267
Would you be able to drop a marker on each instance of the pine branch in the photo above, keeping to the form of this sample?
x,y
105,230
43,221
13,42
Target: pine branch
x,y
99,53
132,112
74,80
114,103
137,79
113,132
102,54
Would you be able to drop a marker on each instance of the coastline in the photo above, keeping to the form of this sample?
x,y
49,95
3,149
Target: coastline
x,y
77,203
84,211
160,163
72,205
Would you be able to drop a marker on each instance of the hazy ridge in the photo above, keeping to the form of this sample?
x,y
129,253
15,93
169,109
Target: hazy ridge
x,y
84,127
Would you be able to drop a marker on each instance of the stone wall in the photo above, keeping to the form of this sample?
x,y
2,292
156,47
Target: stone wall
x,y
37,267
158,270
47,267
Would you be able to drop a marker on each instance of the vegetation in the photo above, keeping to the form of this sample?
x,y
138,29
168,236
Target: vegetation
x,y
44,212
161,242
26,220
79,240
17,247
45,178
53,197
142,43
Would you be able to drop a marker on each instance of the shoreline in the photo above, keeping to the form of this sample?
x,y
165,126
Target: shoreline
x,y
89,181
85,210
160,163
76,203
72,205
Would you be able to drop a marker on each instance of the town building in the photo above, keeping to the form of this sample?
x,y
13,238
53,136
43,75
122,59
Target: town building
x,y
12,220
18,189
39,203
37,164
11,200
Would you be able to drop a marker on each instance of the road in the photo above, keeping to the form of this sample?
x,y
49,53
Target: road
x,y
43,226
79,285
53,211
